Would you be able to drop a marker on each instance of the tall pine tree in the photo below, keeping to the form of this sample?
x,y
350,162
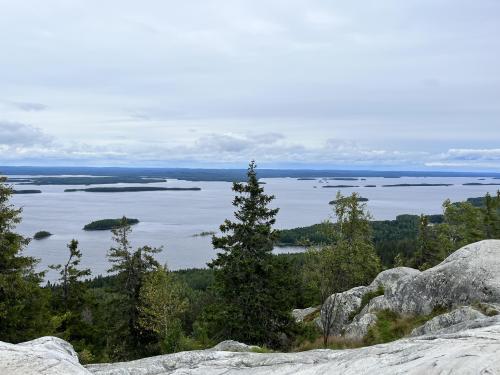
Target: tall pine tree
x,y
250,291
24,312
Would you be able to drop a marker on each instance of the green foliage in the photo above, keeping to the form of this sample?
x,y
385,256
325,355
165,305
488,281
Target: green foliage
x,y
251,303
109,224
71,276
41,235
24,306
161,304
131,268
392,326
196,278
350,260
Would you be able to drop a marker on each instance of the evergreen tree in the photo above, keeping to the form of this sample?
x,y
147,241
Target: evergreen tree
x,y
71,275
490,215
428,251
24,312
252,304
130,268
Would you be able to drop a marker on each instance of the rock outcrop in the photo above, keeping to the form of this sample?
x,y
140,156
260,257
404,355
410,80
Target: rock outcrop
x,y
473,349
300,314
46,355
233,346
436,324
471,275
463,341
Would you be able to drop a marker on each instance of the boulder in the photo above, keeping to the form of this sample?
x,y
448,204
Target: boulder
x,y
359,327
471,275
46,355
436,324
300,314
233,346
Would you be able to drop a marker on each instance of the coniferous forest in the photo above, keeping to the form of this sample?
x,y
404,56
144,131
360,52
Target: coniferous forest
x,y
141,308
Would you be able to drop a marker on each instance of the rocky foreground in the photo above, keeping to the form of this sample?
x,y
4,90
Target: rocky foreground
x,y
464,340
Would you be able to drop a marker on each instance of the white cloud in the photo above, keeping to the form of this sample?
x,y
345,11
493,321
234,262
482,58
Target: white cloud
x,y
396,83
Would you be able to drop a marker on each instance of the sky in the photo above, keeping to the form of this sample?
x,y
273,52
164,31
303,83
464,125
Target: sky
x,y
350,84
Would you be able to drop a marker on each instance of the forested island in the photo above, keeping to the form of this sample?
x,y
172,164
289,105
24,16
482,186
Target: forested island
x,y
41,235
360,199
109,224
481,184
124,189
409,185
339,186
84,180
26,191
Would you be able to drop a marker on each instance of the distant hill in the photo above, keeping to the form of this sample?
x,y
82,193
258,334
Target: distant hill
x,y
200,174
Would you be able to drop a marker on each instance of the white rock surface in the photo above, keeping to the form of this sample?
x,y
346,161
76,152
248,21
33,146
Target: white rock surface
x,y
468,276
46,355
473,351
471,347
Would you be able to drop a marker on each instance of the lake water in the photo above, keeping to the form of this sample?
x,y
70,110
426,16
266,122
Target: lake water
x,y
172,218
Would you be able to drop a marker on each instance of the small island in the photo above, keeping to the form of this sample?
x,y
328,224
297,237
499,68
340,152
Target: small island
x,y
204,234
108,224
370,185
339,186
409,185
360,199
125,189
85,180
306,179
481,184
41,235
343,178
27,191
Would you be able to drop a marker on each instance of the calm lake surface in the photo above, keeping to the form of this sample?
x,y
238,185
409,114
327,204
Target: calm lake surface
x,y
172,218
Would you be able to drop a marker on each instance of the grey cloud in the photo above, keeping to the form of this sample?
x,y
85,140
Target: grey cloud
x,y
30,107
17,134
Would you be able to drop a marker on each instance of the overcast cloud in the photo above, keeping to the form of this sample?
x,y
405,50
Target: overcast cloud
x,y
384,84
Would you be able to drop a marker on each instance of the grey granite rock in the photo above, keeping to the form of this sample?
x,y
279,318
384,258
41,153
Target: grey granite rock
x,y
300,314
436,324
472,351
233,346
469,276
46,355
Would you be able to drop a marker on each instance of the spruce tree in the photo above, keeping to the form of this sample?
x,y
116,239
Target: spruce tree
x,y
71,275
24,312
248,286
130,268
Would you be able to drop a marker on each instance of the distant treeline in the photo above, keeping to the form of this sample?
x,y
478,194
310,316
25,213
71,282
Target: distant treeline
x,y
124,189
193,174
84,180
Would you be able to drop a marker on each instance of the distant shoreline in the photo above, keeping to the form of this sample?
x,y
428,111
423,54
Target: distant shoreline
x,y
219,174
